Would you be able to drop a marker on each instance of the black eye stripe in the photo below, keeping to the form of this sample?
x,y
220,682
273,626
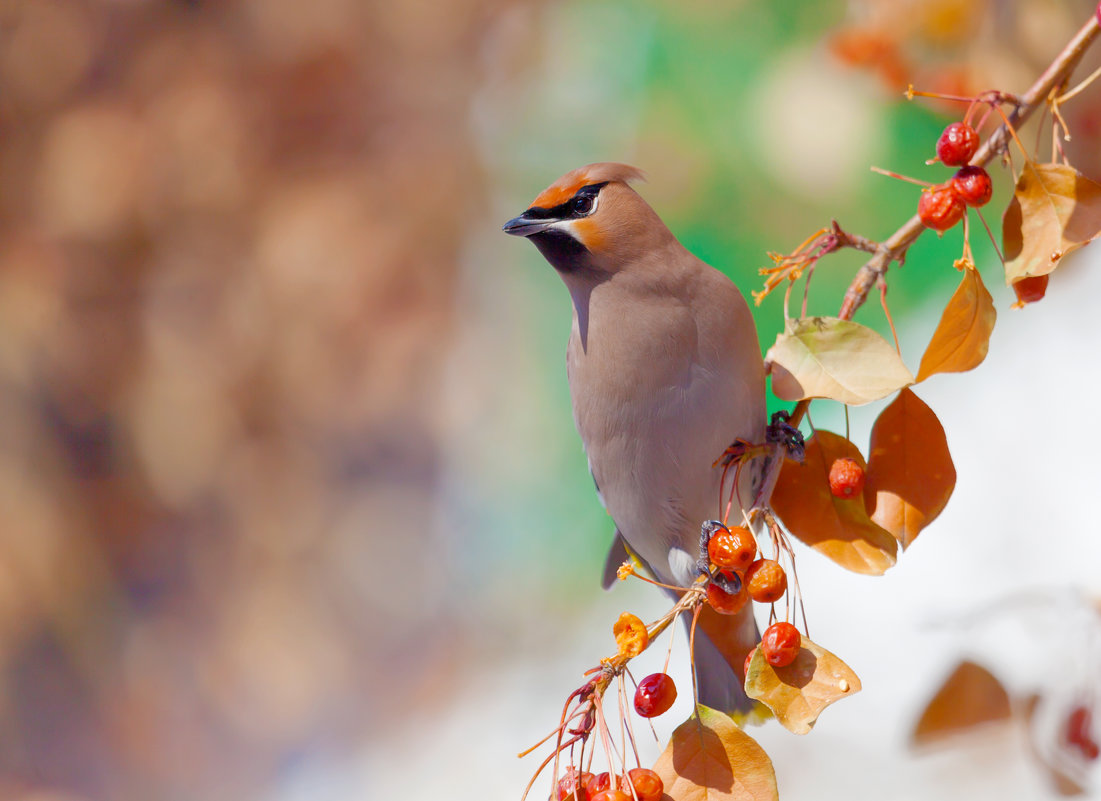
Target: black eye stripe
x,y
564,210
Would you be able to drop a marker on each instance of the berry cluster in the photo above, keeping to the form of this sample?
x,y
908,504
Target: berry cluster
x,y
941,206
741,577
640,783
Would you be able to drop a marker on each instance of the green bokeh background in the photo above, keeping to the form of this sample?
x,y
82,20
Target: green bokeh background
x,y
291,501
650,83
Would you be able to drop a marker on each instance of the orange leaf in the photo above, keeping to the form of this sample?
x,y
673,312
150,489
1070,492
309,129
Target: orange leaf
x,y
970,697
630,635
710,759
910,475
799,692
962,337
1055,210
836,527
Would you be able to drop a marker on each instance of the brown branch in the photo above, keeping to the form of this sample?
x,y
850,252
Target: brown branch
x,y
894,247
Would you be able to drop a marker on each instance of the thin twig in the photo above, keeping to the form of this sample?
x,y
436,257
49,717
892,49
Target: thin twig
x,y
894,247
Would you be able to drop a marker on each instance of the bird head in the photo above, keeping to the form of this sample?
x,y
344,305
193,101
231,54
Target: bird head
x,y
590,220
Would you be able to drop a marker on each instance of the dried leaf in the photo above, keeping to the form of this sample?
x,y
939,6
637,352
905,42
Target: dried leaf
x,y
826,357
836,527
799,692
1055,210
962,337
631,635
910,476
970,697
710,759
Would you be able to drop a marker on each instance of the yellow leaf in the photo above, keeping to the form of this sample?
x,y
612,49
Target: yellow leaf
x,y
1055,210
910,473
835,527
826,357
799,692
962,337
710,759
971,696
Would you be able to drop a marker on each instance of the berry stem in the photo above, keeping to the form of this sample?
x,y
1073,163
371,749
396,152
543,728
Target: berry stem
x,y
894,248
1063,98
900,177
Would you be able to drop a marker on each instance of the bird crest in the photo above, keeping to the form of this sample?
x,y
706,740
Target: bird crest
x,y
602,172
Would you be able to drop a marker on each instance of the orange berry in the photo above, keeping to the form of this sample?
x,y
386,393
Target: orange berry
x,y
726,602
630,635
939,207
748,659
571,787
846,478
733,548
781,643
648,785
598,783
766,581
612,795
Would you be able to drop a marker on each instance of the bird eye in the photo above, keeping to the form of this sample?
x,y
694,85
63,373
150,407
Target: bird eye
x,y
582,205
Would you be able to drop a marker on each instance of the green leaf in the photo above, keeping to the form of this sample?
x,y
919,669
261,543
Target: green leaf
x,y
826,357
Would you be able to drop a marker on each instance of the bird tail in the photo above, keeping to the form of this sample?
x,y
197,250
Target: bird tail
x,y
721,644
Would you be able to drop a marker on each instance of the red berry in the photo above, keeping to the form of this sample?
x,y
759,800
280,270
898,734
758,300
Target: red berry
x,y
939,207
748,659
599,783
1077,732
846,478
957,144
972,185
571,787
781,643
726,602
655,694
732,548
1031,289
612,795
766,581
648,785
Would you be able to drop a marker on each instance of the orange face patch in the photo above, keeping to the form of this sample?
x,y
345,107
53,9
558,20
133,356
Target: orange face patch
x,y
589,234
559,192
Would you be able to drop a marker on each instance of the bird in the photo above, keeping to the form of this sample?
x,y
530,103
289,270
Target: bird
x,y
665,371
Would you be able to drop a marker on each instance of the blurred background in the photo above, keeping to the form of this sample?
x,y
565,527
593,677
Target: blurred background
x,y
291,504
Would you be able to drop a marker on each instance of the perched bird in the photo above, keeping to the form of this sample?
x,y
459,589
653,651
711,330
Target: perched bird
x,y
665,372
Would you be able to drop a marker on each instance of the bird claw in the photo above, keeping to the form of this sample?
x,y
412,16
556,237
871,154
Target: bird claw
x,y
783,433
728,581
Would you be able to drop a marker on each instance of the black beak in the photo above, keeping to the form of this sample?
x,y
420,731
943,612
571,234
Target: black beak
x,y
525,225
